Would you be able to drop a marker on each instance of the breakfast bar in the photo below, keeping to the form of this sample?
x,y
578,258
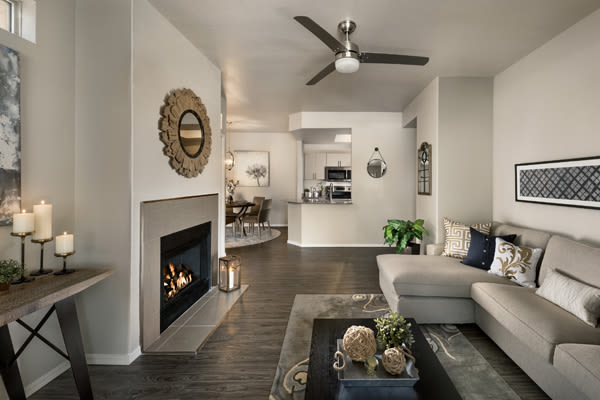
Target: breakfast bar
x,y
321,223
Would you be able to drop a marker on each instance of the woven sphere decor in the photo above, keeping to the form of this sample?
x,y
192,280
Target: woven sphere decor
x,y
359,343
394,361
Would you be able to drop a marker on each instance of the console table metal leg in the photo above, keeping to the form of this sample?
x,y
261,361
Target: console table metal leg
x,y
9,368
69,325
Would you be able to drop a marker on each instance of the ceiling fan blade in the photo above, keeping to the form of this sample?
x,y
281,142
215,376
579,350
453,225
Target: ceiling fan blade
x,y
324,72
380,58
321,33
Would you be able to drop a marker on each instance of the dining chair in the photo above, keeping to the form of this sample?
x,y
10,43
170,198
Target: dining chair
x,y
251,216
265,215
230,218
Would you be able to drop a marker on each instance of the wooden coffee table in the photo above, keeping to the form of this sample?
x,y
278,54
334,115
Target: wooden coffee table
x,y
322,381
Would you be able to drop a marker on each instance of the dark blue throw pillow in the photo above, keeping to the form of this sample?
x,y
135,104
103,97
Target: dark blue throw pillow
x,y
482,249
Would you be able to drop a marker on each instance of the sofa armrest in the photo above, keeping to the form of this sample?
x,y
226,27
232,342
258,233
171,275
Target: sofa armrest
x,y
435,249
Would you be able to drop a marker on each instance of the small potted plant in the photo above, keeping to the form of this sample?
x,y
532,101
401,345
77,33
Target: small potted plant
x,y
9,271
394,331
400,233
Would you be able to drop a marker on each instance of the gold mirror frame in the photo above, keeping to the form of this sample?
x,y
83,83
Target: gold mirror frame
x,y
177,103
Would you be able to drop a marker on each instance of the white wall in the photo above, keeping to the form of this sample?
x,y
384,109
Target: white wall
x,y
465,150
374,200
425,110
47,149
546,107
454,115
163,59
103,173
282,153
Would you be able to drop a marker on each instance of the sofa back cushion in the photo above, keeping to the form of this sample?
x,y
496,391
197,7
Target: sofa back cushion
x,y
525,237
575,259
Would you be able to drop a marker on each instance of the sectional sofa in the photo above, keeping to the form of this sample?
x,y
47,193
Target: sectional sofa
x,y
560,352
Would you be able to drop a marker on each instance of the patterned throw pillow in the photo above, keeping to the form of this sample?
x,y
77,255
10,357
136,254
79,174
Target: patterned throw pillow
x,y
517,263
458,237
579,299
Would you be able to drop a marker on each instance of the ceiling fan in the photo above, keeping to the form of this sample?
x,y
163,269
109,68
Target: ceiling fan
x,y
347,55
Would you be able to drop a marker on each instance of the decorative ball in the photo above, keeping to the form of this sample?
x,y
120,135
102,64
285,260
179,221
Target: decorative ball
x,y
394,361
359,343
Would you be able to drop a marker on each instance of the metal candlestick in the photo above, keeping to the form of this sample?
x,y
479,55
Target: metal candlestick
x,y
64,270
41,271
22,279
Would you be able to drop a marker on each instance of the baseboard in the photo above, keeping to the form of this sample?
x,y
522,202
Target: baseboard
x,y
334,245
46,378
114,359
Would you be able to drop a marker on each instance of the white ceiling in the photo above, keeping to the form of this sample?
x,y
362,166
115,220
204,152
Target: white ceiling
x,y
266,57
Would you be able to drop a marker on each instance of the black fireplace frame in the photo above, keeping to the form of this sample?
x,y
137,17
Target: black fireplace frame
x,y
196,237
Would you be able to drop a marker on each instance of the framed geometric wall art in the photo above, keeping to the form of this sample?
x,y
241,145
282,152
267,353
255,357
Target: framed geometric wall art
x,y
251,168
10,135
573,182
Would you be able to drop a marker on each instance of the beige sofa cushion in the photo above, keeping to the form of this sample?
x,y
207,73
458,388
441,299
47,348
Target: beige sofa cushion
x,y
580,364
574,259
525,237
537,322
435,276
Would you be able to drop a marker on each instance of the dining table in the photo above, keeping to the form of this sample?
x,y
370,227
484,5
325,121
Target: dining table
x,y
243,207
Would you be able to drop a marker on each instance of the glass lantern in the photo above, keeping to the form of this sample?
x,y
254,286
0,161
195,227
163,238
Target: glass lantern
x,y
230,273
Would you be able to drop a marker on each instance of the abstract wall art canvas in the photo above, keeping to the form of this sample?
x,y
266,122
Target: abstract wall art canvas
x,y
251,168
573,182
10,135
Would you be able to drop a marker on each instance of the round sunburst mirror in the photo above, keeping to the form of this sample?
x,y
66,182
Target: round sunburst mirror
x,y
185,131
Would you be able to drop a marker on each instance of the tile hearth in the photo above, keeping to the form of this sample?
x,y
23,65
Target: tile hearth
x,y
191,330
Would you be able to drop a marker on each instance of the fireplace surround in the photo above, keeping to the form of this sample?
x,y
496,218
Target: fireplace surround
x,y
194,217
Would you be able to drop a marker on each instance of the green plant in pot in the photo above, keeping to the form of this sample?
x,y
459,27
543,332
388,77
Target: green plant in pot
x,y
394,331
400,233
9,271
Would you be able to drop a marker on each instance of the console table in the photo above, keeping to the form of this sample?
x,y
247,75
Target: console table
x,y
57,292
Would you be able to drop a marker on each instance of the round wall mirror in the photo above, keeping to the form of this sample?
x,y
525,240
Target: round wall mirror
x,y
191,134
185,131
376,168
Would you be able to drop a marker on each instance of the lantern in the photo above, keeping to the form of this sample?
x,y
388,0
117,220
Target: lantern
x,y
230,273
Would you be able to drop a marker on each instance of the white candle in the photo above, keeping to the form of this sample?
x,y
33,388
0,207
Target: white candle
x,y
43,221
23,222
64,243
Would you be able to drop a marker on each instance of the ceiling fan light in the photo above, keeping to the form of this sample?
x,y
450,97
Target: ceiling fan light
x,y
347,65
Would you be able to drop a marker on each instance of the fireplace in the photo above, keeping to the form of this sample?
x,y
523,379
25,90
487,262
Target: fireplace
x,y
185,232
185,269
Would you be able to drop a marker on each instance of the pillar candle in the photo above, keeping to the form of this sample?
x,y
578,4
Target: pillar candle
x,y
23,222
64,243
43,221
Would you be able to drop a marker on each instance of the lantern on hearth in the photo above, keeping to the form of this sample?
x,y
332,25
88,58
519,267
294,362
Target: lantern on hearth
x,y
230,273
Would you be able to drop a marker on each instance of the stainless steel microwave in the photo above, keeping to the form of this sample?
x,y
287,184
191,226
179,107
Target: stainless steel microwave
x,y
338,174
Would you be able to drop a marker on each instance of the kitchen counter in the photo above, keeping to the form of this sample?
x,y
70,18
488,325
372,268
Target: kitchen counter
x,y
321,201
320,223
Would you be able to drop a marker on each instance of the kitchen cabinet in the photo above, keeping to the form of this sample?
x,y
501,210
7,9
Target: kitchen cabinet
x,y
339,160
314,165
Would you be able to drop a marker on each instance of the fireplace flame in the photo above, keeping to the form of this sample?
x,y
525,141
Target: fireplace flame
x,y
176,278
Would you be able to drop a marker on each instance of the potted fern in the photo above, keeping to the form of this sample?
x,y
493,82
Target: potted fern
x,y
401,234
9,270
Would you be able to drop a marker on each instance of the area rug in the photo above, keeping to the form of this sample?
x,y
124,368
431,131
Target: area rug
x,y
472,375
249,240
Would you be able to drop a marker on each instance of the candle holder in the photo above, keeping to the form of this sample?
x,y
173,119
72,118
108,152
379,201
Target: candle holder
x,y
41,271
22,279
64,270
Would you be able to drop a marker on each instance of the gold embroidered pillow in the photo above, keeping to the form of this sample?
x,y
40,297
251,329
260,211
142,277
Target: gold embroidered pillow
x,y
458,237
517,263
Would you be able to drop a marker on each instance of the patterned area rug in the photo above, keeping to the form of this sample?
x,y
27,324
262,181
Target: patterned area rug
x,y
249,240
472,375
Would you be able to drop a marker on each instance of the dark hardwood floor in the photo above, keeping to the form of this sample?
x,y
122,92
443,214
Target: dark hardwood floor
x,y
239,359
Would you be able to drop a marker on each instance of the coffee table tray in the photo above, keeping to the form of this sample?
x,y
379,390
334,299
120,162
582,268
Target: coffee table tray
x,y
355,373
